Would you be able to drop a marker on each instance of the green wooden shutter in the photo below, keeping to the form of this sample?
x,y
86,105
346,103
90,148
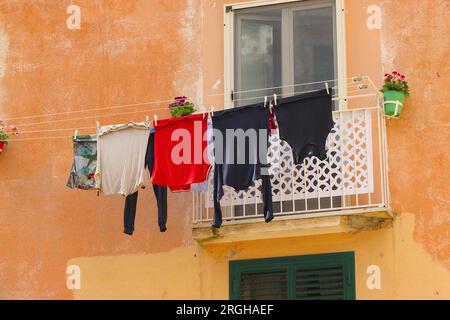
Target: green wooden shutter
x,y
317,277
269,285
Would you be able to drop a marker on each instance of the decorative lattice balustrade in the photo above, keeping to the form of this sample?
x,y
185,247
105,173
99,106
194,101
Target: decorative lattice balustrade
x,y
353,178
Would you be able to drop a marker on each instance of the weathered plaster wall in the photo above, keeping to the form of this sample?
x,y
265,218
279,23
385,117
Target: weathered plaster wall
x,y
141,50
415,39
126,52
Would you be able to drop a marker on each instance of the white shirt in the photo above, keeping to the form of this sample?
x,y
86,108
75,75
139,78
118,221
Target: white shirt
x,y
121,158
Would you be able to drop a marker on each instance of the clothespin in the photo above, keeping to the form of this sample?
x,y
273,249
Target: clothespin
x,y
357,79
275,98
265,101
147,121
75,135
98,126
327,87
212,111
155,117
363,86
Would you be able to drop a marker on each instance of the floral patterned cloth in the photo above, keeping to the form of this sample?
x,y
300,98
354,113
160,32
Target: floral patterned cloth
x,y
82,174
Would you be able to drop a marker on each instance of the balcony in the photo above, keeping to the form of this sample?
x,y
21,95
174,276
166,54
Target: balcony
x,y
348,192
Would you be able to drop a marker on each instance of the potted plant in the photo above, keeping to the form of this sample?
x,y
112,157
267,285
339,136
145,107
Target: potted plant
x,y
395,89
5,134
181,107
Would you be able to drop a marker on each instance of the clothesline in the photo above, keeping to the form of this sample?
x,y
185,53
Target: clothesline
x,y
111,115
95,117
90,117
336,97
71,136
40,138
354,80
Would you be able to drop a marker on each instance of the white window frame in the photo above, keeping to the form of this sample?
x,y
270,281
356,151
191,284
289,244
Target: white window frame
x,y
229,45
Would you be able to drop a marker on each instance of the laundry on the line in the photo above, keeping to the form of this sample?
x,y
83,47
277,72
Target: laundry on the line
x,y
84,165
305,121
203,186
228,170
180,144
121,158
180,153
160,194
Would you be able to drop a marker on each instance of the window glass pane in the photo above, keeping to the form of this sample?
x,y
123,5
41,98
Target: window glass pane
x,y
257,54
282,45
313,47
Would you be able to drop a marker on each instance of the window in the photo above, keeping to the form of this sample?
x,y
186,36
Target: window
x,y
281,45
317,277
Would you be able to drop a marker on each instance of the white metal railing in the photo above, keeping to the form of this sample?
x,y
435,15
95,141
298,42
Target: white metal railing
x,y
352,179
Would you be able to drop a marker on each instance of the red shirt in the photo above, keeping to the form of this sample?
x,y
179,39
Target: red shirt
x,y
180,145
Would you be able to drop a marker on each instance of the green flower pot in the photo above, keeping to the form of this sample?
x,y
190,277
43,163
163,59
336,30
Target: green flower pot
x,y
393,103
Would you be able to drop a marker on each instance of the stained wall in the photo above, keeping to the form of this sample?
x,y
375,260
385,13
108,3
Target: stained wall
x,y
132,52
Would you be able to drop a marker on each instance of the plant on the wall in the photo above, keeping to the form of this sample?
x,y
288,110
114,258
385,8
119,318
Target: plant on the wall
x,y
181,107
395,89
5,133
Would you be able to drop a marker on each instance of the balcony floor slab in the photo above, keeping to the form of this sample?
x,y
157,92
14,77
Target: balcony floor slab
x,y
294,226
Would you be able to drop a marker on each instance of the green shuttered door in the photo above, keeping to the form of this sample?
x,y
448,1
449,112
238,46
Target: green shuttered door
x,y
317,277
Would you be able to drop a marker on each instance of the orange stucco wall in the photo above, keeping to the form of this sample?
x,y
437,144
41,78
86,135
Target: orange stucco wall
x,y
142,50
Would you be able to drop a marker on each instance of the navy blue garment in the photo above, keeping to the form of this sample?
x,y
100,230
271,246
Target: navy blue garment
x,y
160,193
240,164
304,122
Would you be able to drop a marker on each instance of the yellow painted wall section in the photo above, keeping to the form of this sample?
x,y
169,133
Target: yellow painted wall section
x,y
142,50
193,272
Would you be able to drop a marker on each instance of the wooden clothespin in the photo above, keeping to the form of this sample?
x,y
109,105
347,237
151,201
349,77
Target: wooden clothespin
x,y
327,87
98,126
75,135
357,79
212,111
155,118
363,86
147,121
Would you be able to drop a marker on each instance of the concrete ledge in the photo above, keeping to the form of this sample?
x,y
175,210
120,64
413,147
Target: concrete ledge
x,y
293,226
